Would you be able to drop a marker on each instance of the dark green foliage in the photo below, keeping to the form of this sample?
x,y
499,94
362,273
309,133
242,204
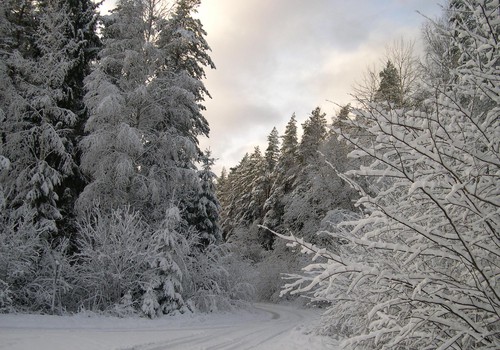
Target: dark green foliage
x,y
203,213
389,89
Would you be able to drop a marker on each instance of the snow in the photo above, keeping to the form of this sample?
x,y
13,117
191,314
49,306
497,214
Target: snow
x,y
265,326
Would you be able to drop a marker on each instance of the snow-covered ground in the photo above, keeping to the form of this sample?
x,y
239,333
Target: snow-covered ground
x,y
268,326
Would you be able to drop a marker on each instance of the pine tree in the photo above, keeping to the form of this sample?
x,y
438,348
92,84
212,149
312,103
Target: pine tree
x,y
397,81
389,88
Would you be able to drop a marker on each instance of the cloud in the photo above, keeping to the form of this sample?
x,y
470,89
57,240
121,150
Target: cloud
x,y
278,57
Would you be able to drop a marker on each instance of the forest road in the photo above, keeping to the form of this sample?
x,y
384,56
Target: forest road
x,y
268,327
282,329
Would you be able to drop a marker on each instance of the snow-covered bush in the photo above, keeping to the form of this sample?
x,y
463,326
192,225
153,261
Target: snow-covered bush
x,y
112,258
274,265
123,263
33,274
219,280
422,269
241,277
5,297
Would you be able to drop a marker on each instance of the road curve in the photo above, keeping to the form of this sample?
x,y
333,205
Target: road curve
x,y
280,329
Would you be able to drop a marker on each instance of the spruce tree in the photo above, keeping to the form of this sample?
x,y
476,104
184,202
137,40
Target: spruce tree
x,y
206,207
230,192
185,54
272,151
284,177
83,18
243,194
314,129
117,100
389,88
39,53
270,176
289,144
303,206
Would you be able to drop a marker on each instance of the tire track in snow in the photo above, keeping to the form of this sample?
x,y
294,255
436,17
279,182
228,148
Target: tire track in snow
x,y
245,336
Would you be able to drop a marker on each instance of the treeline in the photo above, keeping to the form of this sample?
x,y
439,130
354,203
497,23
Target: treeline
x,y
293,184
103,206
290,186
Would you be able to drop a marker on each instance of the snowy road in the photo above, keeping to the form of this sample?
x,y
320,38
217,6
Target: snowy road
x,y
268,327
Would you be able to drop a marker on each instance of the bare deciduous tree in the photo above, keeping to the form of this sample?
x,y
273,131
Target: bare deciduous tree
x,y
421,270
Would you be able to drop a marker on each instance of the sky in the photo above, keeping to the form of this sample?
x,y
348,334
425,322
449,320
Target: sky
x,y
279,57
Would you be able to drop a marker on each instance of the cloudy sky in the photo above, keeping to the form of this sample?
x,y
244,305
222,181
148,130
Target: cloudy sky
x,y
277,57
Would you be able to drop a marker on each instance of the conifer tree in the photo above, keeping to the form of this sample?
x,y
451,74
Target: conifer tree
x,y
284,176
244,193
83,18
223,193
255,187
289,144
205,214
230,191
314,129
37,123
304,206
145,98
389,88
117,101
184,58
272,151
41,46
270,177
